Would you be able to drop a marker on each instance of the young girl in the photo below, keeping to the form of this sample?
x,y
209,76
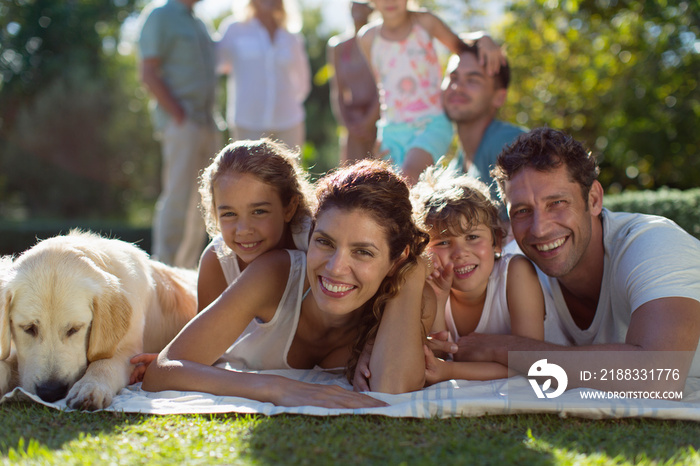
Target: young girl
x,y
360,280
413,128
255,197
478,289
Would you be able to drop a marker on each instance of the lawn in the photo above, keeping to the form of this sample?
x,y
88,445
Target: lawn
x,y
33,434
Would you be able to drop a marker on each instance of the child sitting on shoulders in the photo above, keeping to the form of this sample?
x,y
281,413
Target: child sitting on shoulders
x,y
413,129
478,288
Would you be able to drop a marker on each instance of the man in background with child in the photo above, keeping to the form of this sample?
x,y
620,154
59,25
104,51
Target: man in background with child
x,y
471,99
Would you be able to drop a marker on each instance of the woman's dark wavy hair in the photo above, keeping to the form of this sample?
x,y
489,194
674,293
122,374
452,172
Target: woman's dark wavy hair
x,y
373,187
546,149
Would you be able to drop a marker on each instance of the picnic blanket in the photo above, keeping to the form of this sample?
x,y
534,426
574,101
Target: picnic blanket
x,y
452,398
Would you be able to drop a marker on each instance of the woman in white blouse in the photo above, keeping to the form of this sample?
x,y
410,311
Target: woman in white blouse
x,y
268,73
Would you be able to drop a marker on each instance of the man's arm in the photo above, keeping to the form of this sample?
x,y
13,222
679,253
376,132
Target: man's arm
x,y
152,79
666,324
661,325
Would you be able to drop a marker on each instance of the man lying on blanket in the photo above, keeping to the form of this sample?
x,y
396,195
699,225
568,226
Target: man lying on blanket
x,y
620,282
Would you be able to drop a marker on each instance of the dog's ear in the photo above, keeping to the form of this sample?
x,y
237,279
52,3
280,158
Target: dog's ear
x,y
5,301
111,314
5,334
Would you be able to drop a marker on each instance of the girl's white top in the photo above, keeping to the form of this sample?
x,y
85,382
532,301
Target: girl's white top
x,y
495,318
265,345
408,74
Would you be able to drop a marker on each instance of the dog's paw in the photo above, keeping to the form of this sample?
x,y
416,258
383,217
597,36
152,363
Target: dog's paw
x,y
89,395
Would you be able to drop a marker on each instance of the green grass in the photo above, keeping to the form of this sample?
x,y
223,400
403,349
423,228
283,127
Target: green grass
x,y
32,434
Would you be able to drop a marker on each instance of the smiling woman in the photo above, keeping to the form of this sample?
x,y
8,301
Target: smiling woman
x,y
361,281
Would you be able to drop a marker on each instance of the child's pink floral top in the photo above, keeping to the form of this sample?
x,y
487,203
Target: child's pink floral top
x,y
408,74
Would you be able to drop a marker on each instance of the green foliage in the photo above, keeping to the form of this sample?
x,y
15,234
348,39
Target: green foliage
x,y
683,207
620,75
75,135
41,39
75,138
37,435
73,128
321,151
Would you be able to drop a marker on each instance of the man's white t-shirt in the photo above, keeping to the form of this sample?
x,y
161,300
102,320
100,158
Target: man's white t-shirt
x,y
646,258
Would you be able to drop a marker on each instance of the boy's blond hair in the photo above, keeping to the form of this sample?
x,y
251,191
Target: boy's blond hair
x,y
454,204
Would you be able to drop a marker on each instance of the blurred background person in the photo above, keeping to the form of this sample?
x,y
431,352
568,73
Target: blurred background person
x,y
400,50
268,70
178,69
472,99
354,98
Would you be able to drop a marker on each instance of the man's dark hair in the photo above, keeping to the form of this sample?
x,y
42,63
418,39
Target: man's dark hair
x,y
502,78
546,149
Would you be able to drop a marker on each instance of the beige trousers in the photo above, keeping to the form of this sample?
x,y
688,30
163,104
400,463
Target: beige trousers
x,y
179,236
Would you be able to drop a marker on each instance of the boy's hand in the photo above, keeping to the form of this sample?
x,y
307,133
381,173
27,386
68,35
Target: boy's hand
x,y
439,343
441,278
434,368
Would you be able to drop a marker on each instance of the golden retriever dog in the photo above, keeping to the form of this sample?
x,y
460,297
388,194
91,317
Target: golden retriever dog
x,y
77,307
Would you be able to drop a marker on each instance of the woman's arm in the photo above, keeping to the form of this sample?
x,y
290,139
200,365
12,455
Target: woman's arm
x,y
225,46
211,281
262,387
336,83
525,299
185,363
397,363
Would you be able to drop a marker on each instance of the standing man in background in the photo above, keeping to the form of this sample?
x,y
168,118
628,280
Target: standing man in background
x,y
178,68
354,98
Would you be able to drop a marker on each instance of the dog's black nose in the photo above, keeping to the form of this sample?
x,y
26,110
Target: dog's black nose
x,y
52,390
